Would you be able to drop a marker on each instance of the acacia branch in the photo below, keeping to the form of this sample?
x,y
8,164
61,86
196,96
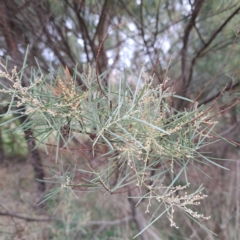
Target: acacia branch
x,y
87,224
204,47
229,87
97,57
214,77
84,32
198,4
28,219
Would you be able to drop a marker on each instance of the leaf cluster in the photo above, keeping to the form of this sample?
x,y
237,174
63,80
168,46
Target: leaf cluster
x,y
144,138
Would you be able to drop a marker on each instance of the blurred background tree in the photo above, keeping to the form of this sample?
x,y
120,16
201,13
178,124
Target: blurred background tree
x,y
193,42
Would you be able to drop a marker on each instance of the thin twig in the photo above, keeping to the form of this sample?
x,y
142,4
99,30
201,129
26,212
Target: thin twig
x,y
28,219
87,224
96,60
226,109
214,77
